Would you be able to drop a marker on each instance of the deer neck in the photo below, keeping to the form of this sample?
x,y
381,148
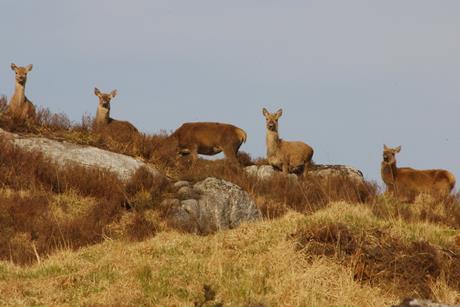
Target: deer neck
x,y
102,116
389,173
273,141
19,95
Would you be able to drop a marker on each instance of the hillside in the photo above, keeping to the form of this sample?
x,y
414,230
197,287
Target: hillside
x,y
72,235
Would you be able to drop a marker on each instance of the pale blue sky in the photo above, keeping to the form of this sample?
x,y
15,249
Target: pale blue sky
x,y
350,75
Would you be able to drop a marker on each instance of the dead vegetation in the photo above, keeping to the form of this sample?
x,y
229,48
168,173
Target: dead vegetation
x,y
381,260
47,208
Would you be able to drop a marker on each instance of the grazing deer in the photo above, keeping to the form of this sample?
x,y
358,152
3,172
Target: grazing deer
x,y
20,106
103,120
406,182
209,139
290,157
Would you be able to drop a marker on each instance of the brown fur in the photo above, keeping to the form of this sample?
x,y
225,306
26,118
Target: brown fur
x,y
406,183
290,157
103,121
209,139
20,106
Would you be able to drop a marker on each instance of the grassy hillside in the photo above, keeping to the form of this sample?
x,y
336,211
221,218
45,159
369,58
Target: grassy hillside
x,y
265,263
80,236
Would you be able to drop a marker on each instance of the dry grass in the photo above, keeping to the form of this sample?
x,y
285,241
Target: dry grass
x,y
252,266
407,259
34,224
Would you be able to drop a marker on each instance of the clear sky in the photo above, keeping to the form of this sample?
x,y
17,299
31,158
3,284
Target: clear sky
x,y
349,75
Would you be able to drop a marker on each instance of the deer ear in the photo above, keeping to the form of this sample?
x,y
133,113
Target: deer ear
x,y
29,67
279,113
398,149
113,93
13,66
265,112
97,92
385,147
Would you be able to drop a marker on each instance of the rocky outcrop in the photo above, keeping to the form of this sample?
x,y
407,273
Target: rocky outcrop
x,y
261,172
413,302
210,205
331,170
62,153
321,171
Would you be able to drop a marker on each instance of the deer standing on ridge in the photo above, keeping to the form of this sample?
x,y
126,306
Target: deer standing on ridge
x,y
290,157
406,182
208,138
19,106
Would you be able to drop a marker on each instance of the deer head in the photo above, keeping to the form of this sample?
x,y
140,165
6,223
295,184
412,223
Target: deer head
x,y
271,119
21,73
104,98
389,154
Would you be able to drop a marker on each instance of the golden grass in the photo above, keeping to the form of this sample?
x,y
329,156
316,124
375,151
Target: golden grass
x,y
253,264
405,258
359,217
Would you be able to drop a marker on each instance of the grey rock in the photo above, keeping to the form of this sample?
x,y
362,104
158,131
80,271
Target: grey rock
x,y
413,302
170,203
328,171
63,153
323,171
185,192
190,206
182,183
221,205
261,172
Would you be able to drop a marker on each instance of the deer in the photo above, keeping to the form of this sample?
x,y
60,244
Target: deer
x,y
208,138
20,106
103,120
290,157
406,183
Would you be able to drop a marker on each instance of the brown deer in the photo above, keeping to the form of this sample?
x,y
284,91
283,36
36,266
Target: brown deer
x,y
209,139
103,120
406,183
290,157
19,106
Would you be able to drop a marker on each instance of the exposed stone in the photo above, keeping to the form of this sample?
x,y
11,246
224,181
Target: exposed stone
x,y
263,172
328,171
170,203
186,192
190,206
182,183
63,153
413,302
221,205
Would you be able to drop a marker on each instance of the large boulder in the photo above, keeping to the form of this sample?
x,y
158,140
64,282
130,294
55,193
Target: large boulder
x,y
218,204
63,153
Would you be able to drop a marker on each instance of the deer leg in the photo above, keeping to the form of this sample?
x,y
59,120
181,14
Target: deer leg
x,y
230,154
285,168
194,153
